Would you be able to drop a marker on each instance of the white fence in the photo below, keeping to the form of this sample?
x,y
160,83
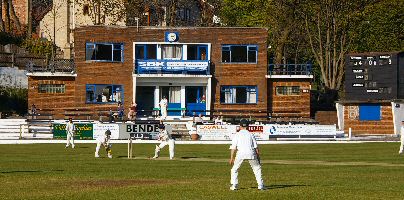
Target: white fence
x,y
19,129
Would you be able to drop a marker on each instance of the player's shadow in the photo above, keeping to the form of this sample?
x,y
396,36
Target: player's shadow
x,y
122,156
188,157
29,171
271,187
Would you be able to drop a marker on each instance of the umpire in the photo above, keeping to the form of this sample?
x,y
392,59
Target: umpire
x,y
246,147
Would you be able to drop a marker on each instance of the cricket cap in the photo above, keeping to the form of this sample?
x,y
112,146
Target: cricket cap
x,y
244,122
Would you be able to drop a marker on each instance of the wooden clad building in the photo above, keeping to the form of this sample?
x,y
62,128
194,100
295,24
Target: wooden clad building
x,y
208,70
374,93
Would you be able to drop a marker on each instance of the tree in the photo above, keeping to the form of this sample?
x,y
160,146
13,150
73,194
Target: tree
x,y
11,21
327,26
380,27
281,17
1,16
104,12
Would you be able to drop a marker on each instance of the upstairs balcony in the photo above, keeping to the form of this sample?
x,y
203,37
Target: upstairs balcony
x,y
187,67
290,71
56,67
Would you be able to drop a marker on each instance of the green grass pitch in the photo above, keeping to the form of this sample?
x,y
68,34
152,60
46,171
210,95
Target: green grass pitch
x,y
291,171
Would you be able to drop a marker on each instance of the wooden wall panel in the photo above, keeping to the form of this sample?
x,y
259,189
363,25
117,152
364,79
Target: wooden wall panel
x,y
384,126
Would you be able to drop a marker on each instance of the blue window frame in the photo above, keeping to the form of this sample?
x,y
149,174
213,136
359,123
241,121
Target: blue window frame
x,y
103,93
369,112
239,53
238,94
104,52
146,51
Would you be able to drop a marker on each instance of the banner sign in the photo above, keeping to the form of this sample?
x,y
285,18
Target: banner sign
x,y
329,130
83,131
173,65
99,130
258,131
216,132
263,132
139,131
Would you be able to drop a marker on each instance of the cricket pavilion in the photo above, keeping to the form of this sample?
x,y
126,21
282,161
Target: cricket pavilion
x,y
208,70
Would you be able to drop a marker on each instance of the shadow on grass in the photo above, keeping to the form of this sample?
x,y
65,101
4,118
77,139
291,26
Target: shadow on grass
x,y
189,157
271,187
30,171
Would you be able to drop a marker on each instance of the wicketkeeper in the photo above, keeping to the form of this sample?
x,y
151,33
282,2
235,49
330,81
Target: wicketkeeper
x,y
165,139
104,141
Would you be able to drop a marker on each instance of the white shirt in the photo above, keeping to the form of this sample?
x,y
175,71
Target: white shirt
x,y
104,140
164,136
163,103
245,144
70,128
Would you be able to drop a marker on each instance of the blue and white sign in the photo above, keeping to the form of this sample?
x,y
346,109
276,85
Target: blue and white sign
x,y
171,36
173,65
99,130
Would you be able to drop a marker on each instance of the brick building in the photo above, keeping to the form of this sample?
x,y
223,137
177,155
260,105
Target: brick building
x,y
208,70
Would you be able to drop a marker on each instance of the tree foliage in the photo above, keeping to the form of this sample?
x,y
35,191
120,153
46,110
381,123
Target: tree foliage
x,y
104,12
380,27
322,30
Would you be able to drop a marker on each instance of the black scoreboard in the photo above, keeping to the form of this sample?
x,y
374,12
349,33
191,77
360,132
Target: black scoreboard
x,y
374,76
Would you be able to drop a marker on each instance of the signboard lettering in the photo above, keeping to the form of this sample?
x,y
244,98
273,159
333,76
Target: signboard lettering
x,y
83,131
357,84
140,131
372,91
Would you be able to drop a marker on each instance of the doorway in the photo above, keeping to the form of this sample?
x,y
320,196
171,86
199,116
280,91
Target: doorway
x,y
173,95
145,100
195,100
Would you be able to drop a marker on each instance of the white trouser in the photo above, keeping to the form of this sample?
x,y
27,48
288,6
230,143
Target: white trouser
x,y
255,166
70,139
171,146
402,141
163,112
97,149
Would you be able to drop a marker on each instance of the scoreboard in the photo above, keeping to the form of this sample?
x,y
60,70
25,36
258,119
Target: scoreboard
x,y
374,76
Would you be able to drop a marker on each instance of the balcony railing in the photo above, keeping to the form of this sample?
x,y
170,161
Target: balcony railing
x,y
199,67
54,66
290,69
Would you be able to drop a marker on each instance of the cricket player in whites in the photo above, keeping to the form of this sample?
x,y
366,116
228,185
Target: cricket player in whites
x,y
104,141
165,139
163,107
70,129
246,147
402,138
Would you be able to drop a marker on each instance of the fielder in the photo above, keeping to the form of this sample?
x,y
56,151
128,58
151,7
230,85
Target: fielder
x,y
163,107
165,139
246,147
70,129
104,141
402,139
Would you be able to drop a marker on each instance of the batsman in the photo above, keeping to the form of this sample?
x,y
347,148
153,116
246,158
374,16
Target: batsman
x,y
165,139
104,141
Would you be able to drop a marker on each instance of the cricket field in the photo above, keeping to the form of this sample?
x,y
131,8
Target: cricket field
x,y
291,171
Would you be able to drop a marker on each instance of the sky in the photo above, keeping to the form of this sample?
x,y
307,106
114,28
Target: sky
x,y
13,77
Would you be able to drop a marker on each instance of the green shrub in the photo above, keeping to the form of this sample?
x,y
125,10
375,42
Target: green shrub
x,y
38,47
